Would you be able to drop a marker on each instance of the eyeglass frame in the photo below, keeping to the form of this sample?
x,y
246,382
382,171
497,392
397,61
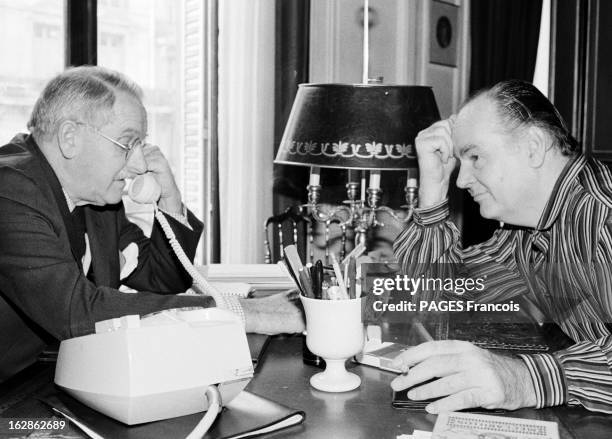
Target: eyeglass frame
x,y
126,148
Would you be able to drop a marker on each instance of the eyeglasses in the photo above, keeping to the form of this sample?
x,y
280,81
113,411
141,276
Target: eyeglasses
x,y
127,148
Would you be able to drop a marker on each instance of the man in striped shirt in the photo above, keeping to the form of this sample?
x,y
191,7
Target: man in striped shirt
x,y
554,246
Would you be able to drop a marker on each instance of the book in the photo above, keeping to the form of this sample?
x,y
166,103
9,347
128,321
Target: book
x,y
247,415
259,276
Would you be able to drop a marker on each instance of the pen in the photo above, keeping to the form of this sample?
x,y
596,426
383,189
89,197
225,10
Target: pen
x,y
352,271
318,284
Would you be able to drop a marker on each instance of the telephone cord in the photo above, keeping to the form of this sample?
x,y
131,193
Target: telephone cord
x,y
214,407
197,277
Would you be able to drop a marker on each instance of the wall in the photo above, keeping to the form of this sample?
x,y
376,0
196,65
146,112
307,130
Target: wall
x,y
400,39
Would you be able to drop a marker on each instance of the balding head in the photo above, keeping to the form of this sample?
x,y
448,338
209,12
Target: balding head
x,y
84,93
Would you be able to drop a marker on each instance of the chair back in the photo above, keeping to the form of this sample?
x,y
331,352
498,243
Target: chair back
x,y
314,240
289,227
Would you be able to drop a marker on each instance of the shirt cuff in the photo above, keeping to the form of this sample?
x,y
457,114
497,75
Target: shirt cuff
x,y
232,304
428,216
548,380
181,217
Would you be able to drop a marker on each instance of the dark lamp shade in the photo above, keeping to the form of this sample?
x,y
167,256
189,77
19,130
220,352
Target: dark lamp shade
x,y
360,126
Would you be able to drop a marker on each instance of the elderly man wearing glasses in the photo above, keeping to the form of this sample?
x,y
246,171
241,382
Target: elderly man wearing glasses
x,y
65,243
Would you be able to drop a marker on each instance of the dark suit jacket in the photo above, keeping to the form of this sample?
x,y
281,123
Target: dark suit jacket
x,y
43,292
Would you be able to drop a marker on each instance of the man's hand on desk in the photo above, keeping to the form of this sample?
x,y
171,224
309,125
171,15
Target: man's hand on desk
x,y
275,314
467,377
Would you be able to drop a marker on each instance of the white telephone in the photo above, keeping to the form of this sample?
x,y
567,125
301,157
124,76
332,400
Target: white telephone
x,y
142,369
144,189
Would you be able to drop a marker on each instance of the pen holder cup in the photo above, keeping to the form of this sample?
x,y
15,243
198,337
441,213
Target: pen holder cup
x,y
335,332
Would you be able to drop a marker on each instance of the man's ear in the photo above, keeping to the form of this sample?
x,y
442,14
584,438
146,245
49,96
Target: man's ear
x,y
66,139
538,143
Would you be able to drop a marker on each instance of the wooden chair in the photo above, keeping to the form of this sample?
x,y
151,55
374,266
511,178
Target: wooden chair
x,y
313,240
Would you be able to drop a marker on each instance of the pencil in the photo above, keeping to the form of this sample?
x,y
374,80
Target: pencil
x,y
306,284
338,273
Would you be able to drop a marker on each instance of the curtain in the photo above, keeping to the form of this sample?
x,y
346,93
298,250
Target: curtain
x,y
504,37
246,126
504,45
292,42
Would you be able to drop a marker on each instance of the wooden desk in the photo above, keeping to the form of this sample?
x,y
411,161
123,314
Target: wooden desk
x,y
362,413
367,412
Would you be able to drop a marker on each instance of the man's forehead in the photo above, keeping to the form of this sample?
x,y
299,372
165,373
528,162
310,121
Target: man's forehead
x,y
474,124
129,114
481,110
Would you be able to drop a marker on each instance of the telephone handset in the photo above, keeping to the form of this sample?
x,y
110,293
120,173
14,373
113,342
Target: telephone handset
x,y
146,190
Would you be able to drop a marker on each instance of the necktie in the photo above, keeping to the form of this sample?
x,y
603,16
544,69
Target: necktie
x,y
78,222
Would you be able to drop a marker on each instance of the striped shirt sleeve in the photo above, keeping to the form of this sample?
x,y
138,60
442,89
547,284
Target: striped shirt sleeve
x,y
548,379
578,375
431,244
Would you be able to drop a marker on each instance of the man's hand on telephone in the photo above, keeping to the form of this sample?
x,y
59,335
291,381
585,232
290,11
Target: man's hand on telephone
x,y
170,199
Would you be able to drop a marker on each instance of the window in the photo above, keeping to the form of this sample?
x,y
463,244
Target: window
x,y
160,45
32,45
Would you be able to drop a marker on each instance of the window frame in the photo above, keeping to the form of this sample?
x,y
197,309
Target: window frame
x,y
81,32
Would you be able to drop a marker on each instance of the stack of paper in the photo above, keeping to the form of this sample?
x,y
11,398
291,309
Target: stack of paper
x,y
259,276
472,426
454,425
416,434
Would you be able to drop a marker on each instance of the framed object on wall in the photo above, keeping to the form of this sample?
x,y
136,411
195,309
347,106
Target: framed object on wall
x,y
444,32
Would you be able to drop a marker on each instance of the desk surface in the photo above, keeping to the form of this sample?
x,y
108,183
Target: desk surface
x,y
367,412
362,413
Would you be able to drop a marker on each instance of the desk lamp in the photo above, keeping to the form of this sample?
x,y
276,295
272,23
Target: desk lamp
x,y
367,127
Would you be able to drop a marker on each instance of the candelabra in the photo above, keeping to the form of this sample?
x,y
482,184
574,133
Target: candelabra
x,y
358,214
